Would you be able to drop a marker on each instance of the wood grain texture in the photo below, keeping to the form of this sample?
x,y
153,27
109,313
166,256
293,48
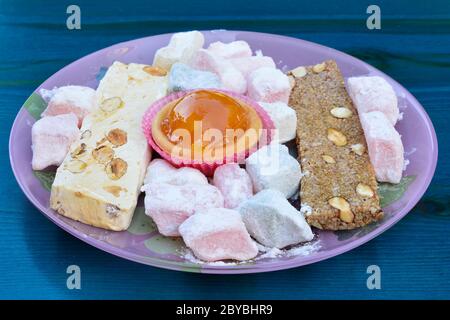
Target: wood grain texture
x,y
413,47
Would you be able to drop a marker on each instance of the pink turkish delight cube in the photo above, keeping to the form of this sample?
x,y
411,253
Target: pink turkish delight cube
x,y
218,234
374,94
235,49
169,205
160,170
268,85
230,77
51,138
78,100
246,65
385,146
234,183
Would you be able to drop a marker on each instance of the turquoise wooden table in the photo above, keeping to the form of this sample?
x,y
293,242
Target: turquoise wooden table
x,y
413,47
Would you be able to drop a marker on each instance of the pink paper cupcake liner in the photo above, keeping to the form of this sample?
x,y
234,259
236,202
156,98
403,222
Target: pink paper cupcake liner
x,y
207,168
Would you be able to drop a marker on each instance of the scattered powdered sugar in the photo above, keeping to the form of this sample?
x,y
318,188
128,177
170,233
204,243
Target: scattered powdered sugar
x,y
284,67
47,94
305,209
209,221
405,164
271,253
304,250
189,256
298,250
265,253
408,153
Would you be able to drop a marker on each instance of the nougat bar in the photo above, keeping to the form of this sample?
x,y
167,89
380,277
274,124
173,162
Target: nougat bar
x,y
100,179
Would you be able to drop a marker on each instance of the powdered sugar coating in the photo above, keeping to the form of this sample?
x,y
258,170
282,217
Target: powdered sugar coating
x,y
273,221
235,49
161,171
181,47
51,138
234,183
268,85
183,77
230,77
374,94
218,234
284,118
247,65
384,145
170,205
78,100
272,167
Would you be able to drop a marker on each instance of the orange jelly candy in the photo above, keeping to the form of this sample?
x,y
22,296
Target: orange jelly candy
x,y
202,110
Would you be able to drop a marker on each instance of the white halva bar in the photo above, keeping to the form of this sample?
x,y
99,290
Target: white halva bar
x,y
100,179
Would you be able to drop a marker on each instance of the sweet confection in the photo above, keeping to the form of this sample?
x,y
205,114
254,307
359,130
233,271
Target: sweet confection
x,y
235,49
234,183
246,65
384,145
230,77
169,205
99,181
70,99
272,167
215,119
181,47
183,77
268,85
284,119
206,128
374,94
51,138
339,184
161,171
218,234
273,221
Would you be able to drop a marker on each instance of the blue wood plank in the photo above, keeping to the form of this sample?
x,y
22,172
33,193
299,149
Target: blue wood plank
x,y
413,47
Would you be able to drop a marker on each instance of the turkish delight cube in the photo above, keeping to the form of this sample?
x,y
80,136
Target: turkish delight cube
x,y
161,171
284,118
218,234
183,77
231,78
272,167
246,65
235,49
374,94
384,145
234,184
273,221
170,205
78,100
51,138
181,47
268,85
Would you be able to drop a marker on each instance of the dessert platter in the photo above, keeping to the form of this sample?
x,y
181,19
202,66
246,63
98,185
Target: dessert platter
x,y
222,151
